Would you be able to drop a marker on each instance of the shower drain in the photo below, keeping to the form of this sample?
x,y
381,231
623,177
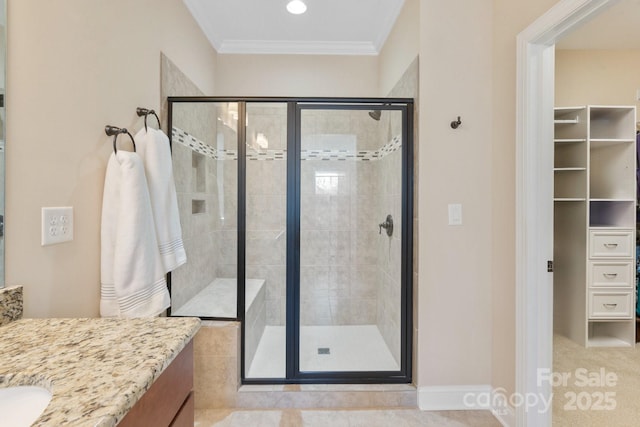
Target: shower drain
x,y
324,350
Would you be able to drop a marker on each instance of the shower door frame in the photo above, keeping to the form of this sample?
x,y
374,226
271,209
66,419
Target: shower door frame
x,y
293,161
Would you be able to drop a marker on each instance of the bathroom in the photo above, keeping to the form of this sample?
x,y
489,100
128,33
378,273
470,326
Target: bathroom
x,y
102,60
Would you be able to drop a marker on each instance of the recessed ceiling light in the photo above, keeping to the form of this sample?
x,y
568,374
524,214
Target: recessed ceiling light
x,y
297,7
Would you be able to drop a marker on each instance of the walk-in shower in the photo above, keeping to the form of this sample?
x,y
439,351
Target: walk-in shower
x,y
297,221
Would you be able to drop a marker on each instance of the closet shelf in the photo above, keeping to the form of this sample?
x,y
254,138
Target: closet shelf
x,y
607,141
569,140
613,199
569,199
607,341
566,121
598,111
568,169
566,110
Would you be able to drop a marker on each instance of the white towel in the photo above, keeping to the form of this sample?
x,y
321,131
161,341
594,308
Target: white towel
x,y
153,148
132,277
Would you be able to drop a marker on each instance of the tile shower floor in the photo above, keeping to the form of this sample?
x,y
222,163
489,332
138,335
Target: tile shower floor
x,y
357,348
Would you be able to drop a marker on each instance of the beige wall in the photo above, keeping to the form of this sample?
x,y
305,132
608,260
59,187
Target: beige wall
x,y
600,77
455,167
400,48
73,67
296,75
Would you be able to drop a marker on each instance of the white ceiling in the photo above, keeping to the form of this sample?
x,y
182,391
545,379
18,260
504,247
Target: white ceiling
x,y
616,28
342,27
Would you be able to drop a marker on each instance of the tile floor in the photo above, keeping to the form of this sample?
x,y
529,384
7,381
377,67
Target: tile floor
x,y
357,348
343,418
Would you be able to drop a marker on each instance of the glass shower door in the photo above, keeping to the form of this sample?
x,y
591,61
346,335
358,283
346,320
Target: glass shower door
x,y
296,217
350,282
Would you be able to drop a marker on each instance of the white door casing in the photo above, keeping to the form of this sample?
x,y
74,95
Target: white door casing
x,y
534,200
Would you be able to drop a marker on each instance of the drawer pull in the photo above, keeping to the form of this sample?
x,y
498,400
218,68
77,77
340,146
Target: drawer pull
x,y
610,275
610,245
610,306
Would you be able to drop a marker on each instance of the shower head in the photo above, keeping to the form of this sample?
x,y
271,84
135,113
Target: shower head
x,y
375,114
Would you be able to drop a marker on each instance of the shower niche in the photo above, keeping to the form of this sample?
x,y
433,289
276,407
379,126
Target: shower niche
x,y
286,235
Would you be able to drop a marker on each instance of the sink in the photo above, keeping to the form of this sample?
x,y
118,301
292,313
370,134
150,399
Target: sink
x,y
22,405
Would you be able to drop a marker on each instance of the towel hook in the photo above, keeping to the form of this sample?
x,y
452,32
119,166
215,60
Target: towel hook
x,y
115,131
456,123
145,112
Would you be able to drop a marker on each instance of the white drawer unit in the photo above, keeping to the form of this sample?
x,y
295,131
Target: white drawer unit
x,y
610,304
608,274
611,244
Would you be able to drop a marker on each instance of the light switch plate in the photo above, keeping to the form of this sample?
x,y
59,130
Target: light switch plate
x,y
455,214
57,225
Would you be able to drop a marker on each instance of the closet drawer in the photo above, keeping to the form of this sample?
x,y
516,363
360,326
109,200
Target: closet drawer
x,y
605,274
610,305
611,244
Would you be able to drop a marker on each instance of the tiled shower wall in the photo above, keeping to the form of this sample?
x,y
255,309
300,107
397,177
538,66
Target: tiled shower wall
x,y
389,248
195,177
348,185
191,277
388,309
266,205
340,260
343,199
339,221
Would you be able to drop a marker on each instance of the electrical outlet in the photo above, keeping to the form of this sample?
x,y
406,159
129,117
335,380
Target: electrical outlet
x,y
57,225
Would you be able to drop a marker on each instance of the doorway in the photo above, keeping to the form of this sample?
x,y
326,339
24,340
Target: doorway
x,y
534,175
300,214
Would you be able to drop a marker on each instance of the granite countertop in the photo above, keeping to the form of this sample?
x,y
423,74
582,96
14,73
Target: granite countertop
x,y
96,369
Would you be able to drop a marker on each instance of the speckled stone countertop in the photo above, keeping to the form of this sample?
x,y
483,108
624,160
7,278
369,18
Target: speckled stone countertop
x,y
10,304
96,369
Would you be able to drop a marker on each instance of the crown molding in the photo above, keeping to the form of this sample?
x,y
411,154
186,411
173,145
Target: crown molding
x,y
205,25
388,24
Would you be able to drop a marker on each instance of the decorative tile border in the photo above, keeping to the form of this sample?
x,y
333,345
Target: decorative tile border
x,y
189,141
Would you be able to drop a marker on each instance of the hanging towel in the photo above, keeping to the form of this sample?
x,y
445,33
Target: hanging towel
x,y
132,277
153,148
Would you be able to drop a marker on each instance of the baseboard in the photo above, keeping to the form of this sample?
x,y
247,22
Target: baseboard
x,y
465,398
453,398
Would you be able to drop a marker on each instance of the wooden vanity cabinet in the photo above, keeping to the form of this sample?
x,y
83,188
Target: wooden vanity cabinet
x,y
169,401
